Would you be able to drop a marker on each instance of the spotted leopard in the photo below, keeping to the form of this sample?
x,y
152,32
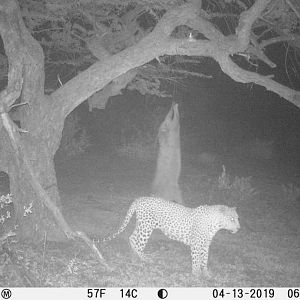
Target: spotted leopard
x,y
194,227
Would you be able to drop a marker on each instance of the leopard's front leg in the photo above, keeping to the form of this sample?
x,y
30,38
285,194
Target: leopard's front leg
x,y
199,253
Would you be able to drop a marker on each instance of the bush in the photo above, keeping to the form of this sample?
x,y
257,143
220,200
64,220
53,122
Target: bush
x,y
291,192
225,189
239,187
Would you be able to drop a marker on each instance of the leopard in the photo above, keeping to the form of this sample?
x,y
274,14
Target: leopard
x,y
194,227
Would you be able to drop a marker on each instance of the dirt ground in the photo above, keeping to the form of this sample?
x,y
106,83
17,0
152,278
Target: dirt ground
x,y
97,191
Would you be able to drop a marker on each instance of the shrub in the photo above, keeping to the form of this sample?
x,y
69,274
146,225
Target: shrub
x,y
291,192
224,189
240,187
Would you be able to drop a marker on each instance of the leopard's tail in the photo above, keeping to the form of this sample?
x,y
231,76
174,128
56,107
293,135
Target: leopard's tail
x,y
127,219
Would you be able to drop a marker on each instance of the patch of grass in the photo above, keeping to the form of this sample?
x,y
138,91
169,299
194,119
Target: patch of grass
x,y
223,189
263,253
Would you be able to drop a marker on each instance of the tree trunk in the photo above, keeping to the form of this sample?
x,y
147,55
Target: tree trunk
x,y
27,151
168,168
34,221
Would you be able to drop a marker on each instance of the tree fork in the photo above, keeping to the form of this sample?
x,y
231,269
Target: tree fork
x,y
23,163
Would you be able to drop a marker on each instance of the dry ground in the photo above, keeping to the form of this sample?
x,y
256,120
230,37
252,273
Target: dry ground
x,y
96,193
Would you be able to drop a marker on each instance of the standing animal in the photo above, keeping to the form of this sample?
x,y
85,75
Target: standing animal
x,y
168,166
194,227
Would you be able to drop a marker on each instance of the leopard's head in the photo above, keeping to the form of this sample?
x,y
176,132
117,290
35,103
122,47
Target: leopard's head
x,y
229,218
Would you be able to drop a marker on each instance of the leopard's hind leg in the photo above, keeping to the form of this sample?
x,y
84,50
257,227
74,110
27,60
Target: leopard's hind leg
x,y
139,239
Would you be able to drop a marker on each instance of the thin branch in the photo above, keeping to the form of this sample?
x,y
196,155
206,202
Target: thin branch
x,y
294,5
247,19
286,62
18,104
241,4
271,8
240,75
189,73
277,39
272,27
224,15
255,50
259,54
157,43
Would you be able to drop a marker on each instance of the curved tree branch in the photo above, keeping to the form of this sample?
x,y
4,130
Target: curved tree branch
x,y
240,75
247,19
159,42
278,39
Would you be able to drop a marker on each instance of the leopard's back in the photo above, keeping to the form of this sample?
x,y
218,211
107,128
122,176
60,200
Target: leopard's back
x,y
193,226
